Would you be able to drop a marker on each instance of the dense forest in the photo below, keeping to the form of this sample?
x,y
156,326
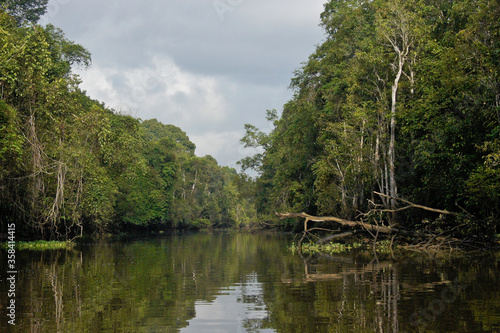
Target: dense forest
x,y
402,98
69,165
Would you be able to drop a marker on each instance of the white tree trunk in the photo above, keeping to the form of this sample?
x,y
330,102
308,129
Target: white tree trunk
x,y
393,190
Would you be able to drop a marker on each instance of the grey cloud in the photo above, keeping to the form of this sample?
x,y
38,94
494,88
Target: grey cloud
x,y
225,70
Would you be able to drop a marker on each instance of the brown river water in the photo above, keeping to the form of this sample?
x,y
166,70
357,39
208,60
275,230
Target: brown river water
x,y
237,282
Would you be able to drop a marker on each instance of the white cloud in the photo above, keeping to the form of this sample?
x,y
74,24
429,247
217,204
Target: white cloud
x,y
177,61
225,145
161,90
227,312
98,85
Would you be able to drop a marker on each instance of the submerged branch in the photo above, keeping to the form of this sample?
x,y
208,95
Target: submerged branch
x,y
335,236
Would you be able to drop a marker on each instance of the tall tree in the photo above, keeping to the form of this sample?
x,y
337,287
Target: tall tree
x,y
401,98
398,25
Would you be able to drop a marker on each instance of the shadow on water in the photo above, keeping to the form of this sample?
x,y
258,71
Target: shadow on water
x,y
235,282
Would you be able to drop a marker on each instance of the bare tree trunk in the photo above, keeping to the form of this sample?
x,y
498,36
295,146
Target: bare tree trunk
x,y
397,32
37,161
342,186
194,182
393,190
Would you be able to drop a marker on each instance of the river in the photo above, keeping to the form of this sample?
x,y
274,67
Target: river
x,y
238,282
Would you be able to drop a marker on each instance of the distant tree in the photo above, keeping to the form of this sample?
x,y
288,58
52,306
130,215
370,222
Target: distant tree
x,y
153,130
254,138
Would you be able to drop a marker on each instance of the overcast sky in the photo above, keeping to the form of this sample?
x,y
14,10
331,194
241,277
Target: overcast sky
x,y
206,66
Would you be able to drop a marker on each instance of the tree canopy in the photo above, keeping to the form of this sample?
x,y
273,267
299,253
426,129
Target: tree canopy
x,y
70,165
25,11
401,98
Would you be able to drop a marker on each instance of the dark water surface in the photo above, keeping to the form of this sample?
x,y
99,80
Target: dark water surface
x,y
233,282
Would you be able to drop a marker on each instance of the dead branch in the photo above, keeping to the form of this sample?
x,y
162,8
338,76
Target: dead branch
x,y
352,224
412,205
375,229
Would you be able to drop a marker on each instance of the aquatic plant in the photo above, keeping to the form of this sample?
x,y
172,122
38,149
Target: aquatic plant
x,y
382,247
41,245
330,248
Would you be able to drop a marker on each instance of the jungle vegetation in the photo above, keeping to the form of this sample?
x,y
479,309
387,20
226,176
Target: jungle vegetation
x,y
69,165
401,98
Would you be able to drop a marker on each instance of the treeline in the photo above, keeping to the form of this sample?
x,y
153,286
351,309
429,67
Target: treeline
x,y
402,98
69,165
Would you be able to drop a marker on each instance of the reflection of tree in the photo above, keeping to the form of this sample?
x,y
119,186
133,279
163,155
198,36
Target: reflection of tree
x,y
138,286
343,294
147,286
350,295
57,288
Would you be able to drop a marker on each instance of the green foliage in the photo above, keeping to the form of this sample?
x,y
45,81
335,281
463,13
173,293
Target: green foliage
x,y
399,93
153,130
483,185
382,246
65,53
205,192
329,248
10,139
254,138
69,164
25,11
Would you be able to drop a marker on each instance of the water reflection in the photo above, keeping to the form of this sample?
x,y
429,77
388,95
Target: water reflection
x,y
246,283
346,294
238,308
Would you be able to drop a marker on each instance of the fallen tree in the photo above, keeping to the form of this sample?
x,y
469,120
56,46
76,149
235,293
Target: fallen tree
x,y
353,224
341,221
373,229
